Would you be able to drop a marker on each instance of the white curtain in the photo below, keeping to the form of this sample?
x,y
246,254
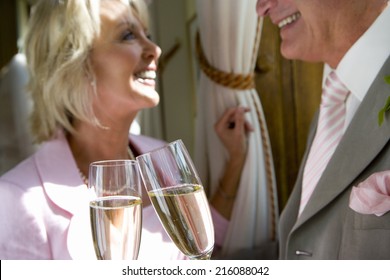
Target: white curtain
x,y
229,36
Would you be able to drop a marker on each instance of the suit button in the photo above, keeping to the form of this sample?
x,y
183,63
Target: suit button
x,y
303,253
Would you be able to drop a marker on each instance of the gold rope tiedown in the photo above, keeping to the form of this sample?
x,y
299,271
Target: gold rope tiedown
x,y
243,82
230,80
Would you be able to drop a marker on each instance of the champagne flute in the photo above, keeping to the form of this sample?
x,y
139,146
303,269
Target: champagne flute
x,y
178,198
115,209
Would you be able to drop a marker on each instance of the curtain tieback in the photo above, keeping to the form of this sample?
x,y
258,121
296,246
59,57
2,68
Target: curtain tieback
x,y
230,80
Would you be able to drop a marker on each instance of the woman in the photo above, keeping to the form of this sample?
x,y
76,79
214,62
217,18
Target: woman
x,y
92,68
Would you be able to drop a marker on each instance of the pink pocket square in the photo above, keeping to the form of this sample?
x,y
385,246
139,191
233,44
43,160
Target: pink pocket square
x,y
372,196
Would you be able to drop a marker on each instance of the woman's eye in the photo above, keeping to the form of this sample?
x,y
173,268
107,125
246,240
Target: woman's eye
x,y
128,36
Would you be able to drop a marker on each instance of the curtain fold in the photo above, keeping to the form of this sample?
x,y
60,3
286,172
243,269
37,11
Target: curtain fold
x,y
229,32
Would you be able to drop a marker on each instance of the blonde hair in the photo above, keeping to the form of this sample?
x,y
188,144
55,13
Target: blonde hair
x,y
140,10
57,47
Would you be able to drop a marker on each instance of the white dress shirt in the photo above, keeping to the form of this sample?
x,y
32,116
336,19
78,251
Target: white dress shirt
x,y
361,64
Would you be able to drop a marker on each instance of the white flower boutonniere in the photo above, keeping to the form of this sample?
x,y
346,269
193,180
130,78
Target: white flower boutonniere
x,y
386,108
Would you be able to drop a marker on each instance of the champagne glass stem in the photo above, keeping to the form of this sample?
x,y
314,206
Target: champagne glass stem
x,y
205,256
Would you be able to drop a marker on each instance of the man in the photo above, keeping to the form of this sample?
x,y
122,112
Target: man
x,y
334,220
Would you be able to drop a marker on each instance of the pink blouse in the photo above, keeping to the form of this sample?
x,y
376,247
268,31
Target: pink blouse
x,y
44,209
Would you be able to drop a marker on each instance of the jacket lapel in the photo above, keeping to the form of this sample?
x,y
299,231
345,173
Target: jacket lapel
x,y
64,187
361,143
141,144
59,174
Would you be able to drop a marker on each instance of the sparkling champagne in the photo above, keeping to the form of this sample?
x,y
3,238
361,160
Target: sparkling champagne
x,y
185,214
116,227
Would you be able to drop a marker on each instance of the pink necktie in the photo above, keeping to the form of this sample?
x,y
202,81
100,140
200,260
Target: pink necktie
x,y
329,132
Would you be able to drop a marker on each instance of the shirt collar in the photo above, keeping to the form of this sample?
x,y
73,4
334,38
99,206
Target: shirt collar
x,y
366,57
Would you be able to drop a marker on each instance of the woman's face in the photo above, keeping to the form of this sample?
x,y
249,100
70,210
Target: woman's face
x,y
124,61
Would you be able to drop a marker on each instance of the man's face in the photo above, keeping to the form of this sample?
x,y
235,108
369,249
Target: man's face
x,y
309,29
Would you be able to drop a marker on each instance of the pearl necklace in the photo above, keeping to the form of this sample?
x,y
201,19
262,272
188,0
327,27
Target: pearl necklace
x,y
85,178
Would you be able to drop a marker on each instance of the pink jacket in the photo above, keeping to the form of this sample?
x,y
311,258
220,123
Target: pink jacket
x,y
44,209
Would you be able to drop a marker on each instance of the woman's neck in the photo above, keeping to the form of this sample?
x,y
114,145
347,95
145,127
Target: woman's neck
x,y
91,144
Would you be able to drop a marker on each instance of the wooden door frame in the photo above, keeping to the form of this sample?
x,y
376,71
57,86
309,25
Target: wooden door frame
x,y
290,93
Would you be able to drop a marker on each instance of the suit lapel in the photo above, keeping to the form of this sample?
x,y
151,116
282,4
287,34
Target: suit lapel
x,y
361,143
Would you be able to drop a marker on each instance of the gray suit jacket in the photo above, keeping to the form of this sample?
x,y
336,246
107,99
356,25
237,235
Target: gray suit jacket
x,y
328,228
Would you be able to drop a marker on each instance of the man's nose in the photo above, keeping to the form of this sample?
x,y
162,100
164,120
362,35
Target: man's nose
x,y
263,7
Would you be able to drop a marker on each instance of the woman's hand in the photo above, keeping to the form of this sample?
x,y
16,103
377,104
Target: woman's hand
x,y
232,129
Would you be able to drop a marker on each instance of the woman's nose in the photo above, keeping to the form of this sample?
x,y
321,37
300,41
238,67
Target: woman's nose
x,y
152,50
157,51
